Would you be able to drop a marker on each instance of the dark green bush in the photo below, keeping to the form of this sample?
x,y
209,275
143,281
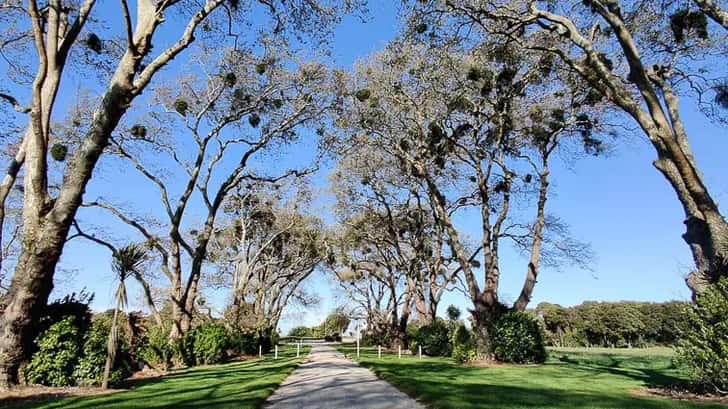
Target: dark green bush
x,y
517,337
184,350
210,344
463,345
703,347
245,342
300,332
434,339
58,352
90,368
155,350
75,305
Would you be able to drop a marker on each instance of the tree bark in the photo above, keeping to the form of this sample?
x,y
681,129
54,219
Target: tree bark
x,y
111,347
714,11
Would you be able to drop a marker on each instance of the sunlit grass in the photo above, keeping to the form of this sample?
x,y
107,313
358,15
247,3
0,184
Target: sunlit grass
x,y
236,385
570,379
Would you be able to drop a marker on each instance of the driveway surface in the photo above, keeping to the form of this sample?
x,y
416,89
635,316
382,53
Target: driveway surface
x,y
328,380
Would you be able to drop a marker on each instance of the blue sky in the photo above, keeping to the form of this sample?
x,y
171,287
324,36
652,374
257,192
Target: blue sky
x,y
619,204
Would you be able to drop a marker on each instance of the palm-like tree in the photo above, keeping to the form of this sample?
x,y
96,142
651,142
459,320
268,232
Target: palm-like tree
x,y
125,262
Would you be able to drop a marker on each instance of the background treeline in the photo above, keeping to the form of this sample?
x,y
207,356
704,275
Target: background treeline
x,y
613,324
331,329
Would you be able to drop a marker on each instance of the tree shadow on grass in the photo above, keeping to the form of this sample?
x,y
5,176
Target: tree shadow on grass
x,y
235,385
445,385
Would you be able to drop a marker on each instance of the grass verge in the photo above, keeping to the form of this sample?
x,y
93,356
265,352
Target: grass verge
x,y
236,385
570,379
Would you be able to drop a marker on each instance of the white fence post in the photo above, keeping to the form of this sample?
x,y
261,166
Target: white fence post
x,y
379,352
420,351
276,356
260,351
357,347
298,349
399,352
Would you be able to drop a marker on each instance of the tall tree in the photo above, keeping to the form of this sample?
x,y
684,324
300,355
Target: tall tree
x,y
248,108
641,57
477,129
50,30
125,262
367,181
268,247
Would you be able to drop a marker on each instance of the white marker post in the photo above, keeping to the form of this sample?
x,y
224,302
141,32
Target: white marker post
x,y
298,349
379,352
420,351
399,352
276,356
260,351
357,347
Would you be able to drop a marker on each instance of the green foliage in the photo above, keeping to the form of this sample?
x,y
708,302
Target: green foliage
x,y
704,345
517,337
363,94
236,385
93,42
453,313
181,106
463,354
434,339
89,370
336,323
230,79
588,379
721,95
463,345
254,120
210,344
59,152
156,351
260,68
300,332
685,21
74,304
58,351
620,324
474,74
139,131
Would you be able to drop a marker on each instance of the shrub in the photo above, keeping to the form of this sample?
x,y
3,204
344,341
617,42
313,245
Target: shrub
x,y
703,347
434,339
300,332
245,342
517,337
335,337
58,352
210,343
90,368
463,345
75,305
184,350
155,350
462,354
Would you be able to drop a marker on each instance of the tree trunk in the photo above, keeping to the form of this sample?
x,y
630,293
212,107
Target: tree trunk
x,y
29,290
111,348
481,329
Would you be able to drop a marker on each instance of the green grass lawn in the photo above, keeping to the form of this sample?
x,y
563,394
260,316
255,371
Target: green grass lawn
x,y
233,385
570,379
